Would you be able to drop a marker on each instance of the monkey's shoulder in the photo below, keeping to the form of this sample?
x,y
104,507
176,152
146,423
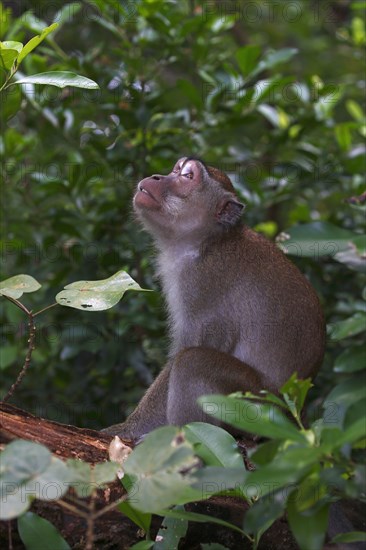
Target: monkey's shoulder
x,y
246,249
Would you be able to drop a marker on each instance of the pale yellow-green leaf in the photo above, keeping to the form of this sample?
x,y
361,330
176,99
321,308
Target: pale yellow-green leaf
x,y
97,295
15,286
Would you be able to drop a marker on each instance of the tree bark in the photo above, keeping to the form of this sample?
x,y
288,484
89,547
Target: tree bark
x,y
61,439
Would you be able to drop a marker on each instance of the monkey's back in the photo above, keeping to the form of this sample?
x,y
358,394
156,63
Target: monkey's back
x,y
264,311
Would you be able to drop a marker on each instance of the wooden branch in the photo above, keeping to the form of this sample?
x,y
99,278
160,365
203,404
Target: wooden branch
x,y
61,439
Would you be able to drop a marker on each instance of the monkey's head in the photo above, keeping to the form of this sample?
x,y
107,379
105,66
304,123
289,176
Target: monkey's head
x,y
193,201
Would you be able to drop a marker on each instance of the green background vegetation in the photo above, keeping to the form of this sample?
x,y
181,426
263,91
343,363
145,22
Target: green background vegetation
x,y
272,93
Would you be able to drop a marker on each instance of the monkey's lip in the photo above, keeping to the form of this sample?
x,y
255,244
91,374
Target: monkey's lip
x,y
144,197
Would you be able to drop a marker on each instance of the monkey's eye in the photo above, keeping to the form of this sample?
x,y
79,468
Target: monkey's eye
x,y
188,174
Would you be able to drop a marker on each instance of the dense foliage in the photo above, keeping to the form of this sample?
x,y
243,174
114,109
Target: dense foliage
x,y
270,93
175,78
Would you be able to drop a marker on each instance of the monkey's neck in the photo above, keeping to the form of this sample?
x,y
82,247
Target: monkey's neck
x,y
174,257
195,244
179,255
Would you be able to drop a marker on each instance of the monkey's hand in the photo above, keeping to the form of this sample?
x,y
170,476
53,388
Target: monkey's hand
x,y
124,433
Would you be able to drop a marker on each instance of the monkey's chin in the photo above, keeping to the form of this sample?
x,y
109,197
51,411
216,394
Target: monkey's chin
x,y
146,201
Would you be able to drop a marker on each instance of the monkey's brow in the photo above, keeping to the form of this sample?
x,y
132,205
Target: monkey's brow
x,y
197,159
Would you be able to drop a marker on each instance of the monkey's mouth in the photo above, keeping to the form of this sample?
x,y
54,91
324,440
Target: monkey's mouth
x,y
144,197
143,190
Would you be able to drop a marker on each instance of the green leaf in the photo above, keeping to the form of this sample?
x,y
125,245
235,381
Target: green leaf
x,y
139,518
5,20
200,518
308,528
82,481
353,433
309,493
265,452
343,135
330,435
33,529
61,79
247,58
171,531
355,110
142,545
9,51
314,239
297,390
35,41
264,396
272,59
214,480
215,446
155,469
358,31
351,360
15,286
85,478
283,119
270,113
269,229
29,471
268,87
275,115
21,460
354,413
343,396
263,513
18,46
97,295
330,96
351,536
289,466
261,419
163,449
349,327
105,473
152,493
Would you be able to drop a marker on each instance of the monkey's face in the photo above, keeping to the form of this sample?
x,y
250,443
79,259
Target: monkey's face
x,y
176,199
154,192
190,199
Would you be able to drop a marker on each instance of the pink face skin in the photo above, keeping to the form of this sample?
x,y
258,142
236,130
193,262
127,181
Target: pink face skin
x,y
190,204
181,181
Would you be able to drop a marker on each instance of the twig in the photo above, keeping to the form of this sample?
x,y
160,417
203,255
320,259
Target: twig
x,y
73,509
110,506
31,346
90,523
44,309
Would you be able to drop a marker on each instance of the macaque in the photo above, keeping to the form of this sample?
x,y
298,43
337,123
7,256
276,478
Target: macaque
x,y
242,317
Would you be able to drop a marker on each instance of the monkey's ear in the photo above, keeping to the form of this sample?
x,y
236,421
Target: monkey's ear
x,y
229,212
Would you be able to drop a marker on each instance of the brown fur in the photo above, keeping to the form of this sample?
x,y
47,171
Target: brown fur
x,y
242,316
